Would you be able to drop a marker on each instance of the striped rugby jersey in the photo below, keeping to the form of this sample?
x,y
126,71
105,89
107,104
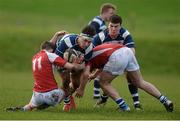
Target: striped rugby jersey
x,y
70,41
98,24
123,37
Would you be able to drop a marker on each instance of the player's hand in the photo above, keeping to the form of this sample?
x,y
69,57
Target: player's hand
x,y
79,93
79,67
91,76
60,33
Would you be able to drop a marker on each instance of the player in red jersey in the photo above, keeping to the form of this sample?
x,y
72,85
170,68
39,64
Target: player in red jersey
x,y
113,60
46,92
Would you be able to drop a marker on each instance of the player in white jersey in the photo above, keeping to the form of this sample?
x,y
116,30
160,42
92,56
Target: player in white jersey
x,y
46,92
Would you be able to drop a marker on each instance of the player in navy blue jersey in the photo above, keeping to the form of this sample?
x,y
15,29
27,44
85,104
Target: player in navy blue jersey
x,y
82,43
99,22
116,34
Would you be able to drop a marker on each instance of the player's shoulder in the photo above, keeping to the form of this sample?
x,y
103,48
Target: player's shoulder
x,y
69,38
123,30
103,34
50,54
97,19
71,35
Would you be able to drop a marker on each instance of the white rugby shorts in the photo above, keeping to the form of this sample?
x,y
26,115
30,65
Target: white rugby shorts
x,y
121,60
51,98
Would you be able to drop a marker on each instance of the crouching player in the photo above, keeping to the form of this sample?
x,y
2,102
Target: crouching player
x,y
46,92
113,60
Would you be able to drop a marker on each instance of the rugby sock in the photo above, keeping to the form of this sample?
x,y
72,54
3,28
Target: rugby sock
x,y
134,92
104,98
96,88
163,99
67,100
121,103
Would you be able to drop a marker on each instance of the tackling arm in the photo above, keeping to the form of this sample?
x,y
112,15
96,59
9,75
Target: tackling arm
x,y
83,81
57,35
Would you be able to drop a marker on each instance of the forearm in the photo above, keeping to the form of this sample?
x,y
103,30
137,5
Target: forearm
x,y
57,35
83,82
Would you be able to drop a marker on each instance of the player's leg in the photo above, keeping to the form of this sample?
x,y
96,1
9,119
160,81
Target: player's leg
x,y
53,97
134,92
74,84
102,100
113,68
75,79
137,79
65,76
44,100
105,82
96,88
35,102
151,89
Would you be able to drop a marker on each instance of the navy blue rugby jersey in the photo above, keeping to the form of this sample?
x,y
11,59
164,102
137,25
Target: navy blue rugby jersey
x,y
98,24
70,41
123,37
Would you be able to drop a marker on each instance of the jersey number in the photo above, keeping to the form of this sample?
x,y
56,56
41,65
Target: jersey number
x,y
37,61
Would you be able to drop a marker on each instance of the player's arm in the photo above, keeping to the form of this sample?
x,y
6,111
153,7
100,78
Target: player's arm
x,y
57,36
70,66
83,81
61,48
128,40
94,74
74,66
58,61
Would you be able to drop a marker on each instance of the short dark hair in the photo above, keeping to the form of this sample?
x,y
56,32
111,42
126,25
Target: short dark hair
x,y
89,30
47,45
115,19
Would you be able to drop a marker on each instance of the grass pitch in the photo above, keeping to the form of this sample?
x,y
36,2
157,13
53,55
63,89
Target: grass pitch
x,y
154,25
16,90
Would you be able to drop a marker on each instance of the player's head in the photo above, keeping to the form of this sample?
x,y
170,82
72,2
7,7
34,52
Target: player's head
x,y
114,25
86,36
47,46
107,10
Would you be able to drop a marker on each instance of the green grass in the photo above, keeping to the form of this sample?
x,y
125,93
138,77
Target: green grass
x,y
25,24
16,89
154,25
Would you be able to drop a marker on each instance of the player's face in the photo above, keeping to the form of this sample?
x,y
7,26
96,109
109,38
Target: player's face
x,y
109,13
83,43
114,29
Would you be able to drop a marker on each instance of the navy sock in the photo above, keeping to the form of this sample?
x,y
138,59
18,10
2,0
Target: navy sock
x,y
104,98
134,92
163,99
96,88
67,100
121,103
